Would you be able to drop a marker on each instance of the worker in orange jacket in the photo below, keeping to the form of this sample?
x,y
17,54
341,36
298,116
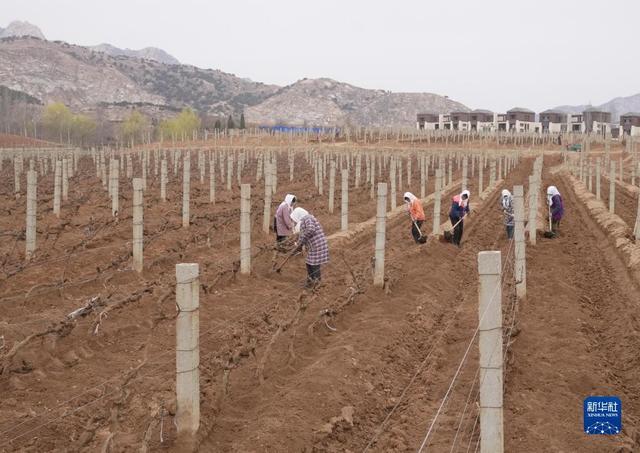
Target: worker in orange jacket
x,y
414,206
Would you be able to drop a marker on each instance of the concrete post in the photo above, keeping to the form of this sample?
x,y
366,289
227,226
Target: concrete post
x,y
372,180
229,170
115,187
65,180
450,179
187,349
186,190
110,178
598,169
268,192
32,205
103,170
381,218
291,166
57,188
274,174
320,176
423,181
129,166
358,169
437,202
344,224
612,188
465,170
212,180
490,345
480,175
392,179
245,228
590,176
163,180
533,209
520,272
138,233
332,184
492,172
143,157
409,159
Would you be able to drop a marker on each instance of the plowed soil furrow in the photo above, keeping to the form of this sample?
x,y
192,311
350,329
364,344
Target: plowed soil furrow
x,y
379,342
579,337
236,315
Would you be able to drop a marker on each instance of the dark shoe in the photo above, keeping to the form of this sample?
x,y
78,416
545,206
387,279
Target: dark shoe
x,y
311,283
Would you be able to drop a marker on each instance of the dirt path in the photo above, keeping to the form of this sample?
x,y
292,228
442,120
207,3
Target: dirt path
x,y
579,337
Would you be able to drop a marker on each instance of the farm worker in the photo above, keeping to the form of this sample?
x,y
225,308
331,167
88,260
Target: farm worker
x,y
313,239
283,223
459,209
556,208
506,203
414,206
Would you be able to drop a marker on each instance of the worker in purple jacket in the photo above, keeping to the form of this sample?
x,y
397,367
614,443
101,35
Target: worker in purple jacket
x,y
556,208
283,225
313,239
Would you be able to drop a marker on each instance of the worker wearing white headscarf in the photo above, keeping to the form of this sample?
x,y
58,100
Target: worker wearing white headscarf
x,y
283,224
506,203
551,192
556,207
313,239
414,206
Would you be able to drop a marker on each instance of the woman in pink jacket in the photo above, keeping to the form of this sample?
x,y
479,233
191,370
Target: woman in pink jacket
x,y
283,225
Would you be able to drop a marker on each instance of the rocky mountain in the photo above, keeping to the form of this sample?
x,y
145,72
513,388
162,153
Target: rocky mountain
x,y
326,102
110,83
617,106
89,81
18,28
148,53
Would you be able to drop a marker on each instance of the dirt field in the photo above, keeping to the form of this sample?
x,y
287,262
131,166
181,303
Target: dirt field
x,y
10,140
350,367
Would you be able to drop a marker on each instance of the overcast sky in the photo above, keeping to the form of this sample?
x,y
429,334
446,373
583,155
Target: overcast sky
x,y
492,54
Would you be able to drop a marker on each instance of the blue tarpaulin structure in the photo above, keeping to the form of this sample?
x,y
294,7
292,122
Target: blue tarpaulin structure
x,y
301,129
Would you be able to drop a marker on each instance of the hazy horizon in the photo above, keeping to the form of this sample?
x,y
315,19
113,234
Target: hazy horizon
x,y
494,54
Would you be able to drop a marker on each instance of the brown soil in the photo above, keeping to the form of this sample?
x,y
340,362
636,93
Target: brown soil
x,y
10,140
283,369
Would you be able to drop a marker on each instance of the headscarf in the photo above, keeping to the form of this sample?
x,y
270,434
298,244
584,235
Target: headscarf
x,y
410,196
552,191
506,198
298,214
289,199
463,203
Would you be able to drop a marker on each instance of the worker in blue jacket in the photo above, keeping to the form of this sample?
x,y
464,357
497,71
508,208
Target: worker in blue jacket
x,y
459,209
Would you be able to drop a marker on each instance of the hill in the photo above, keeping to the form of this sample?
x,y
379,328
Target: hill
x,y
88,80
326,102
148,53
617,106
111,82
